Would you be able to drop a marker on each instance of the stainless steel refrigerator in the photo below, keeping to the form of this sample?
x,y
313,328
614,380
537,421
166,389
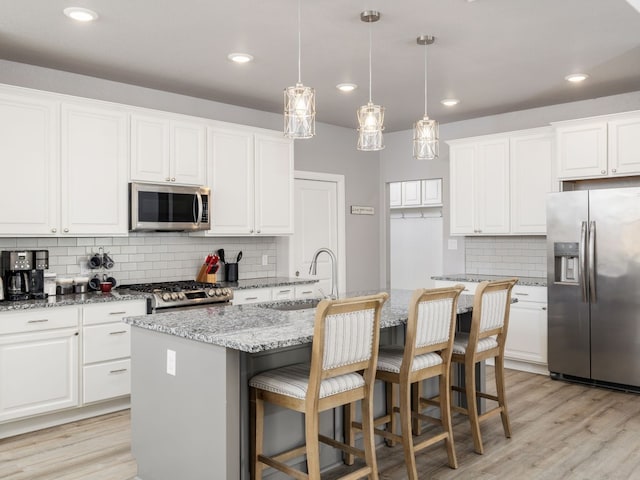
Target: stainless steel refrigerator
x,y
593,252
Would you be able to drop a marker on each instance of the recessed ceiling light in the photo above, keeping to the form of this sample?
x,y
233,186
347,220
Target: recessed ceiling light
x,y
80,14
450,102
346,87
576,77
240,57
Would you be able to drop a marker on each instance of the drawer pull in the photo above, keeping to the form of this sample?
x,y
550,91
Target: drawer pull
x,y
284,291
118,332
251,298
306,292
521,294
42,320
544,308
120,370
117,313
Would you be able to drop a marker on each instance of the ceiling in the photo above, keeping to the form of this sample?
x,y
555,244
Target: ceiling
x,y
494,55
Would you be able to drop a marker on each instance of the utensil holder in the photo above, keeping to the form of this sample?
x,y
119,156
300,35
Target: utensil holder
x,y
231,272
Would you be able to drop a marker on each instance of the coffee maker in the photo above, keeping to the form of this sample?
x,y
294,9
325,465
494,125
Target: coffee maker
x,y
16,273
40,264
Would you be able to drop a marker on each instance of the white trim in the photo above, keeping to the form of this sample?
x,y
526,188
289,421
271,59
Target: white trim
x,y
342,244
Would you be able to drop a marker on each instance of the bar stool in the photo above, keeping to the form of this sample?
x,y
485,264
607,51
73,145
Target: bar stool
x,y
342,371
426,354
486,339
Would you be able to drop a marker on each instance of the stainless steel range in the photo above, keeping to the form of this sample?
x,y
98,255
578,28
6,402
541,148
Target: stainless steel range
x,y
182,294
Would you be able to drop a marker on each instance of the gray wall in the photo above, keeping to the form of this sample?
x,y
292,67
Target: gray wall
x,y
331,151
396,162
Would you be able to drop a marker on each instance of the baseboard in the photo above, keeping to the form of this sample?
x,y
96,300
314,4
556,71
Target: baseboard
x,y
11,428
537,368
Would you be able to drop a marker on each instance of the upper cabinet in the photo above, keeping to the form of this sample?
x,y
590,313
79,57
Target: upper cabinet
x,y
93,171
251,179
499,183
64,166
479,172
167,149
29,155
596,147
416,193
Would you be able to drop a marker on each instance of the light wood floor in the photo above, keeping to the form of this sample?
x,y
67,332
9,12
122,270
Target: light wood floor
x,y
560,431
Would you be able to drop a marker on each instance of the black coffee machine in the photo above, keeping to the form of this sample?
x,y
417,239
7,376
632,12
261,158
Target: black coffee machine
x,y
23,273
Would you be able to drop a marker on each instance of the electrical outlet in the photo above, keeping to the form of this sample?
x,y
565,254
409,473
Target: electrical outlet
x,y
171,362
265,259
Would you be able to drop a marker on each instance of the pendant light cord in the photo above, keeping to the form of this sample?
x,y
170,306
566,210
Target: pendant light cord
x,y
425,80
299,45
370,40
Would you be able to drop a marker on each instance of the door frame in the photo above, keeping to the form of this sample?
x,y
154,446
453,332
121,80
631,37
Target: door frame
x,y
340,218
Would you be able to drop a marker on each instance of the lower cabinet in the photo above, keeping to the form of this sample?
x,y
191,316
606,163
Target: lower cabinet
x,y
38,361
62,358
106,370
289,292
527,333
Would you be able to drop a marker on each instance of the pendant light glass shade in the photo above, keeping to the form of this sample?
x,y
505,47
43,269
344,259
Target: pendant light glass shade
x,y
299,111
425,131
299,104
371,125
425,139
370,116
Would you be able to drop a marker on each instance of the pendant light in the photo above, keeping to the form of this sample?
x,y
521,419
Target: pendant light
x,y
299,105
370,116
425,131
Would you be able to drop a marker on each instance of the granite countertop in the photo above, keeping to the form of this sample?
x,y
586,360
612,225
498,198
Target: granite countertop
x,y
259,327
73,299
267,282
469,277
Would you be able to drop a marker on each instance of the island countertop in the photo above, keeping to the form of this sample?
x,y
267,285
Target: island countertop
x,y
259,327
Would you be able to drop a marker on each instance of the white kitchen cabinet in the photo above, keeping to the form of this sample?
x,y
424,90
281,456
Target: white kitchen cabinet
x,y
167,149
532,178
251,179
479,172
29,153
395,194
527,334
283,293
411,193
251,295
607,146
38,361
432,192
93,190
106,350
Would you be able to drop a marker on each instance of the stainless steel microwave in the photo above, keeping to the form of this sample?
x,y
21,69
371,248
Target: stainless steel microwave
x,y
166,208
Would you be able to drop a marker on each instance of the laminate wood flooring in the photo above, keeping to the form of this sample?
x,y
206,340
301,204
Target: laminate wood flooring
x,y
560,431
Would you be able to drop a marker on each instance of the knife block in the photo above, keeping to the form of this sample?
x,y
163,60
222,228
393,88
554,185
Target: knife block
x,y
203,277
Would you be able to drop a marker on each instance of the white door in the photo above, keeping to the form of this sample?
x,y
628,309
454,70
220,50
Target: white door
x,y
319,222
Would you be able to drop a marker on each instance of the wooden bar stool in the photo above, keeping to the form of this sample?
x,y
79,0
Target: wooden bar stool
x,y
342,371
486,339
426,354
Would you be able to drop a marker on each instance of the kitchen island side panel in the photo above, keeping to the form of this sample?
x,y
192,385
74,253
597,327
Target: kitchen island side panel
x,y
185,425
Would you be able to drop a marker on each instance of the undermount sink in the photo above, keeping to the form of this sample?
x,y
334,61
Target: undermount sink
x,y
290,305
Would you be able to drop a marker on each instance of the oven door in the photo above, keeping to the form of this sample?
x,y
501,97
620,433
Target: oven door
x,y
192,307
168,207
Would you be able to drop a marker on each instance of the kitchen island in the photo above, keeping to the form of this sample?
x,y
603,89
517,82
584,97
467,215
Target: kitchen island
x,y
190,370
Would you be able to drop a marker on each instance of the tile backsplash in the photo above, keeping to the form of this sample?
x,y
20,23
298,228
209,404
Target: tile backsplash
x,y
152,257
518,256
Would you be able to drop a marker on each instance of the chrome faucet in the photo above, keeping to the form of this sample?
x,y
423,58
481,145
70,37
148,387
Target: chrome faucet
x,y
334,268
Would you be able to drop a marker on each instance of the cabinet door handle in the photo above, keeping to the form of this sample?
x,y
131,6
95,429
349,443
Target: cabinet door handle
x,y
521,294
119,332
284,291
251,298
544,308
173,179
167,179
120,370
603,171
54,230
42,320
117,313
258,231
613,170
306,292
66,230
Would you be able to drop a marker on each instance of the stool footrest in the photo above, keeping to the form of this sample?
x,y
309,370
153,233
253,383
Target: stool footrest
x,y
283,467
342,446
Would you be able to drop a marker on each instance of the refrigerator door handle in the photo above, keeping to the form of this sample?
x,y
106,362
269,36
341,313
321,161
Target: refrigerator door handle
x,y
583,261
592,262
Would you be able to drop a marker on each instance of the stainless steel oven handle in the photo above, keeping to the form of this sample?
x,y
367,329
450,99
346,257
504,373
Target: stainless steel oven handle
x,y
592,262
583,261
